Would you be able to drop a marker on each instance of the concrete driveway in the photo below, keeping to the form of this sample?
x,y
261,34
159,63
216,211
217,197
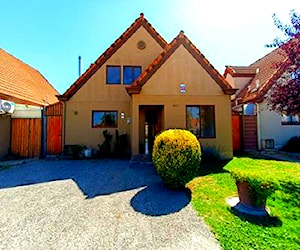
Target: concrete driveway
x,y
95,204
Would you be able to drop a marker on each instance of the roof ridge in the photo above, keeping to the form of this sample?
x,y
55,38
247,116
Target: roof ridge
x,y
180,39
140,21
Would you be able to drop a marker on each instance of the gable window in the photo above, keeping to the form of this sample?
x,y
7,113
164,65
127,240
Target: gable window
x,y
104,119
113,74
200,120
131,73
290,119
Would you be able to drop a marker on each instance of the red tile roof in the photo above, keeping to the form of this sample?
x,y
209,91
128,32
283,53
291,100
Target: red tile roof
x,y
240,71
139,22
268,68
23,84
181,39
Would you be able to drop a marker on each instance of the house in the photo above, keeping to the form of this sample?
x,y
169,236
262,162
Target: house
x,y
142,85
24,92
262,128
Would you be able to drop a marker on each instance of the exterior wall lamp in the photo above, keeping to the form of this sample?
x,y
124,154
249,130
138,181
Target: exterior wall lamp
x,y
122,115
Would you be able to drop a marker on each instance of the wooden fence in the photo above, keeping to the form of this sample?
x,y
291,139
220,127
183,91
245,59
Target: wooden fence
x,y
26,136
237,132
26,133
54,128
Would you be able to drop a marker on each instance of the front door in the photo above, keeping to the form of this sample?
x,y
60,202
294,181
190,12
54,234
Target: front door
x,y
150,125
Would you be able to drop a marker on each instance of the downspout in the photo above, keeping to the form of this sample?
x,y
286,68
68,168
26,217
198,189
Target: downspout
x,y
258,126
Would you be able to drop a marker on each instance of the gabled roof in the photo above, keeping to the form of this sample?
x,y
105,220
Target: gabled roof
x,y
139,22
181,39
268,68
23,84
240,71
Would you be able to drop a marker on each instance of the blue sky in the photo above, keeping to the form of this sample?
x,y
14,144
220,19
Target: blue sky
x,y
49,35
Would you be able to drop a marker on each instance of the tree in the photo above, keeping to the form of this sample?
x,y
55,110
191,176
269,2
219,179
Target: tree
x,y
284,96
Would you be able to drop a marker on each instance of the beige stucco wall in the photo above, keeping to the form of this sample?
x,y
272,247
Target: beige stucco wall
x,y
237,83
95,94
269,125
4,135
163,88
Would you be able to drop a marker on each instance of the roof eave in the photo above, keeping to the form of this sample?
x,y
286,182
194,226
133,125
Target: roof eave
x,y
133,90
62,98
230,91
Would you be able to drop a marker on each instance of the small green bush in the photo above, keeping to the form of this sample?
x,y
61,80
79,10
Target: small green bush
x,y
176,156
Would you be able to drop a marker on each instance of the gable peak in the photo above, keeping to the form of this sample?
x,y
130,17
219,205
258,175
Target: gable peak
x,y
141,21
180,39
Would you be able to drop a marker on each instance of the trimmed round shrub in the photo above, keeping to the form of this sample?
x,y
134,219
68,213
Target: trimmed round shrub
x,y
176,156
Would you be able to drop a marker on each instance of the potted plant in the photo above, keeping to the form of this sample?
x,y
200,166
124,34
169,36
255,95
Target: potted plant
x,y
254,185
253,191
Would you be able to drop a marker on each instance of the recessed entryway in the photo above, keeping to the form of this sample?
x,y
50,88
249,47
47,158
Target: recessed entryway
x,y
150,124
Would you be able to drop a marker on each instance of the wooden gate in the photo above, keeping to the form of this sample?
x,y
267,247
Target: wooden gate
x,y
236,132
26,136
54,128
250,132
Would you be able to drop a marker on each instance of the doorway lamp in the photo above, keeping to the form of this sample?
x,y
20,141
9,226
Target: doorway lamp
x,y
122,115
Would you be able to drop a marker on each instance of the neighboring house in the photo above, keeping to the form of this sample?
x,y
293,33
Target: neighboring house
x,y
263,129
142,85
28,92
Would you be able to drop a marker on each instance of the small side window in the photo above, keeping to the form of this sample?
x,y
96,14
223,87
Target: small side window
x,y
113,75
290,119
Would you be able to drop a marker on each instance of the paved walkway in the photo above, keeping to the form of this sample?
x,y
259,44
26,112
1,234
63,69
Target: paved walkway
x,y
95,204
279,155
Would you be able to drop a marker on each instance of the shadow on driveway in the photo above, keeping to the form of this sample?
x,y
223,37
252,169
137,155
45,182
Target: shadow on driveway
x,y
103,177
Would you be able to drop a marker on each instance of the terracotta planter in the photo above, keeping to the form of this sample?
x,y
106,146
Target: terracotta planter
x,y
247,197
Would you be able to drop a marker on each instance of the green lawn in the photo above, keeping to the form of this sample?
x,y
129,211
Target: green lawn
x,y
280,231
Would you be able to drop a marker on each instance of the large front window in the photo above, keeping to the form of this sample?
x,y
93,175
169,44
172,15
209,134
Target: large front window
x,y
131,73
200,120
104,119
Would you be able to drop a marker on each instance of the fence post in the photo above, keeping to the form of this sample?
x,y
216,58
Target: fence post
x,y
44,134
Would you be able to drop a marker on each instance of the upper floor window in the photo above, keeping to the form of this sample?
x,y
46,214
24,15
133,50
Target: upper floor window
x,y
131,73
250,109
104,119
113,74
290,119
200,120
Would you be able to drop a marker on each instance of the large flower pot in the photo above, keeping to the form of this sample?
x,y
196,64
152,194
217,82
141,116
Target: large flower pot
x,y
247,202
247,196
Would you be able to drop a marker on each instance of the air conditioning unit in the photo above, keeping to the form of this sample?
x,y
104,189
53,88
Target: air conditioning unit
x,y
267,143
7,107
